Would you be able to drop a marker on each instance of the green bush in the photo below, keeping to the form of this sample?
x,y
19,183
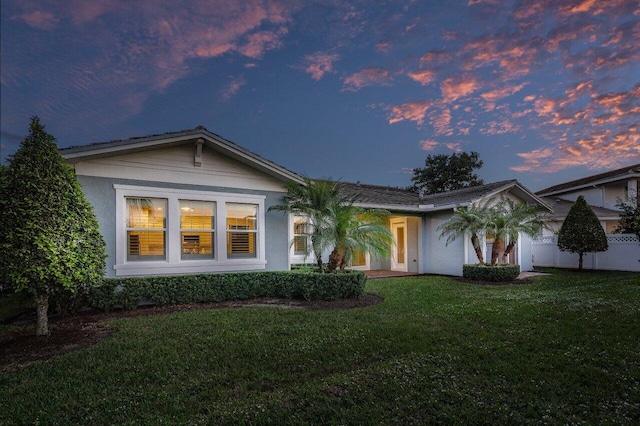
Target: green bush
x,y
497,273
167,290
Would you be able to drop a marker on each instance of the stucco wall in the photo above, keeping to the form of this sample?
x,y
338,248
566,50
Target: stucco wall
x,y
102,196
440,258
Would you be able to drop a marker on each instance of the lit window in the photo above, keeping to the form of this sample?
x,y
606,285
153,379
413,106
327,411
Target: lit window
x,y
146,228
300,238
197,224
242,230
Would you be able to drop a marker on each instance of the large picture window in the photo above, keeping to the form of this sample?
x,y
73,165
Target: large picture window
x,y
146,228
197,223
183,231
241,230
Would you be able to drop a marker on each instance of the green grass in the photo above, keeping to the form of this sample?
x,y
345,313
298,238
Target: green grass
x,y
563,350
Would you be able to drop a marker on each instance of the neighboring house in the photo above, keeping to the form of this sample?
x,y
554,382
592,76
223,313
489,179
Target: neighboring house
x,y
602,191
192,201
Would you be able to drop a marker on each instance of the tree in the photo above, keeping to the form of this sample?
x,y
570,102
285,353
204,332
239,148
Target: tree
x,y
581,231
315,200
335,224
466,220
506,221
351,229
444,173
629,216
50,243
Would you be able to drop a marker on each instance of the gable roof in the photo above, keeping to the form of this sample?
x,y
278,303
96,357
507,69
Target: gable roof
x,y
211,140
561,209
610,176
398,199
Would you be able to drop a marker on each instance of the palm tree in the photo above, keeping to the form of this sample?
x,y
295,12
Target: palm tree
x,y
467,220
315,200
335,223
506,221
351,229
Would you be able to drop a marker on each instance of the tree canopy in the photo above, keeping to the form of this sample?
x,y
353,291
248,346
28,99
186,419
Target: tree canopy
x,y
581,231
442,173
629,216
50,244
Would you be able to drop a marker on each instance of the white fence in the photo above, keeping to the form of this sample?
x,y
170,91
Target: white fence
x,y
623,254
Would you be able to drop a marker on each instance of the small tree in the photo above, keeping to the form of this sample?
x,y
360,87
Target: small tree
x,y
50,243
442,173
629,216
581,231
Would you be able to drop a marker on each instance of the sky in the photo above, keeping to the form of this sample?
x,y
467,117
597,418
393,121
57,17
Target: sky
x,y
545,91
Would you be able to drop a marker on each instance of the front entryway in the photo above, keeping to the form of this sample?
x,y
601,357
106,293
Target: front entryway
x,y
399,254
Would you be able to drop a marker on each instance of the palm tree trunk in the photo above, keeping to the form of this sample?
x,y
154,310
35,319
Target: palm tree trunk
x,y
335,258
42,309
319,261
509,249
496,251
475,241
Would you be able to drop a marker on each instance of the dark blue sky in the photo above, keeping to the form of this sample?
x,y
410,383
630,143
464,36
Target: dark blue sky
x,y
544,90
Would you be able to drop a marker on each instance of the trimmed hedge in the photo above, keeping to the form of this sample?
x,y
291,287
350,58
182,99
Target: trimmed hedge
x,y
497,273
130,292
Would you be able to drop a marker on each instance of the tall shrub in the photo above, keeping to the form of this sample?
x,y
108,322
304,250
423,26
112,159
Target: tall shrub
x,y
581,231
50,244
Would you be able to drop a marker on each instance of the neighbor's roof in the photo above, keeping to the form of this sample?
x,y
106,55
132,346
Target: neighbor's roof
x,y
611,176
399,199
561,209
218,143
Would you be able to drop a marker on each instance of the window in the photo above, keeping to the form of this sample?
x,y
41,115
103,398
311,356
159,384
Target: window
x,y
359,258
146,228
178,231
300,238
241,230
197,224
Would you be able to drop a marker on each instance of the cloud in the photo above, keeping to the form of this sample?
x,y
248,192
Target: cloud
x,y
232,88
429,145
423,77
318,64
412,111
370,76
503,92
39,19
454,146
459,86
260,42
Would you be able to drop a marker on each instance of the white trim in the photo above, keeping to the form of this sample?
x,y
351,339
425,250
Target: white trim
x,y
293,257
173,263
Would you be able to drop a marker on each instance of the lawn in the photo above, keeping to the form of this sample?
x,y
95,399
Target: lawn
x,y
564,349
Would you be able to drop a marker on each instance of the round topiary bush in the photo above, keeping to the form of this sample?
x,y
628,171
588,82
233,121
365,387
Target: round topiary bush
x,y
497,273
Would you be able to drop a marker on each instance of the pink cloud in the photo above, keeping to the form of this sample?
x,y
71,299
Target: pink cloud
x,y
371,76
423,77
39,19
429,145
232,88
503,92
411,111
456,87
454,146
258,43
318,64
441,121
383,46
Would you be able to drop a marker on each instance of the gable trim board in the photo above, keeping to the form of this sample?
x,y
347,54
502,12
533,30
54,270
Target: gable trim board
x,y
200,166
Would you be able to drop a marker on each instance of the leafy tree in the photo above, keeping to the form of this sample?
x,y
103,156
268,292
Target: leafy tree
x,y
443,173
581,231
629,216
50,244
467,220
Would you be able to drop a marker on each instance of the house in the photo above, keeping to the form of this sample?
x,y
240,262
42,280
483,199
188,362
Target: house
x,y
602,191
193,202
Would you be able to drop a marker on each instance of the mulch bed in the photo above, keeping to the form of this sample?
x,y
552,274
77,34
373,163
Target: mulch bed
x,y
21,347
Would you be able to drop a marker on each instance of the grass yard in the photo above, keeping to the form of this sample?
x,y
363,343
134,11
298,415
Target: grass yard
x,y
563,350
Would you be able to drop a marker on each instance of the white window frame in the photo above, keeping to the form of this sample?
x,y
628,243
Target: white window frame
x,y
299,258
173,264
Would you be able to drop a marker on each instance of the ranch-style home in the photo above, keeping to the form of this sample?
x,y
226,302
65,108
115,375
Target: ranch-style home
x,y
193,202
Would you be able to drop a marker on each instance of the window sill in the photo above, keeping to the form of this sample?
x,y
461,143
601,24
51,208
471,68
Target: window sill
x,y
188,267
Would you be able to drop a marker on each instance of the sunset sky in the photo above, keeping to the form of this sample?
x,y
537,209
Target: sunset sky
x,y
545,90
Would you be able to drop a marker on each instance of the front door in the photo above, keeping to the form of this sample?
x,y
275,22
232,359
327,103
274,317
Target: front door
x,y
399,255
